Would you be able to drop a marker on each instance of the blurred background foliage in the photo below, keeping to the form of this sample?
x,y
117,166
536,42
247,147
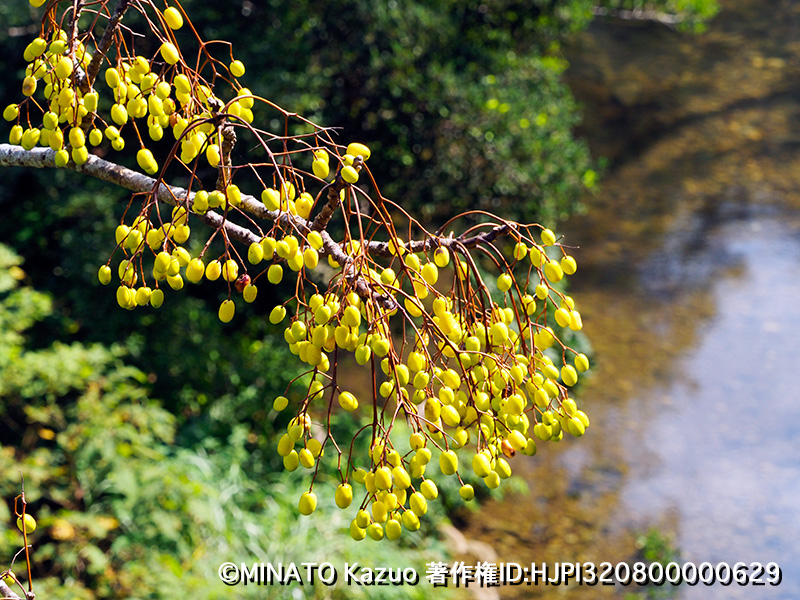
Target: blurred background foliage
x,y
146,438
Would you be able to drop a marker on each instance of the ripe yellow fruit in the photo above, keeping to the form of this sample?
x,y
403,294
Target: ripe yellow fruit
x,y
568,375
234,195
581,363
145,159
428,489
320,168
356,532
467,492
80,155
230,270
307,503
548,237
275,274
249,293
344,495
576,426
441,256
348,401
349,174
375,531
237,68
418,504
255,253
504,282
553,272
357,149
393,529
125,297
271,198
169,53
29,86
481,465
195,270
213,270
11,112
448,462
104,274
277,314
29,523
280,403
226,311
64,67
173,18
156,298
568,265
310,258
383,478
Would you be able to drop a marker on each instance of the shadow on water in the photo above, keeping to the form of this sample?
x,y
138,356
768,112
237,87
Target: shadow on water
x,y
689,284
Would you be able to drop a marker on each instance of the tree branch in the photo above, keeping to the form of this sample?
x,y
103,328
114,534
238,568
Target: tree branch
x,y
103,45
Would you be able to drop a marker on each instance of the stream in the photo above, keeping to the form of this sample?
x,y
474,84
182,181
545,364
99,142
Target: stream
x,y
689,287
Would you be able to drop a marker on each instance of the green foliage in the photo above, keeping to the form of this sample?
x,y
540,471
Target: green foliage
x,y
123,512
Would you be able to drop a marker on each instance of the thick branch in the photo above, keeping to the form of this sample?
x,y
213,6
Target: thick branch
x,y
103,45
42,158
7,592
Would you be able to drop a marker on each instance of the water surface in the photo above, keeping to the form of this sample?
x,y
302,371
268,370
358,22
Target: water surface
x,y
689,284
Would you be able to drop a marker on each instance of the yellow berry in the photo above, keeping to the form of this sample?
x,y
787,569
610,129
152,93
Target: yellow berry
x,y
173,18
64,67
169,53
307,503
275,274
418,504
393,529
280,403
104,274
237,68
11,112
349,174
481,465
466,492
147,161
249,293
320,168
568,375
581,362
553,272
356,149
568,265
230,270
448,462
504,282
441,256
29,523
428,489
277,315
226,310
255,253
548,237
156,298
271,198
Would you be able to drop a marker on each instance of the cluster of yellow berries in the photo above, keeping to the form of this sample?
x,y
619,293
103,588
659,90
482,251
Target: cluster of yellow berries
x,y
483,378
479,370
175,98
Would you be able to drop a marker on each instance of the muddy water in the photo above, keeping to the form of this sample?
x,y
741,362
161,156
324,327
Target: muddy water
x,y
689,284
